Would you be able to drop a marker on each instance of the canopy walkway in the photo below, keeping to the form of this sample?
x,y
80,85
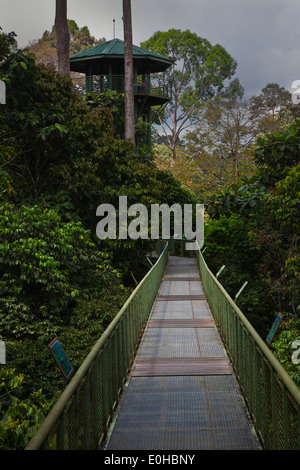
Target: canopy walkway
x,y
182,393
179,368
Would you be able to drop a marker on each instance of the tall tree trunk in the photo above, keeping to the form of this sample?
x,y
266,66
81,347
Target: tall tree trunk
x,y
63,38
128,69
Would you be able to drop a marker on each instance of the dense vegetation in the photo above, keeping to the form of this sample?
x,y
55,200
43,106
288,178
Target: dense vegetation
x,y
254,231
60,157
239,156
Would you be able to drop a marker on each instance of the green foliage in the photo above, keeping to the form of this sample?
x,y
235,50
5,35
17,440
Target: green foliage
x,y
45,48
7,42
171,190
19,418
240,198
33,123
60,157
218,239
273,106
112,100
285,201
198,74
80,38
45,265
228,242
64,144
266,251
277,153
282,347
208,65
277,235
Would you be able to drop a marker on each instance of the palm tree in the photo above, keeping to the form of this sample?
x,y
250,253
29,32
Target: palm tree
x,y
128,68
63,38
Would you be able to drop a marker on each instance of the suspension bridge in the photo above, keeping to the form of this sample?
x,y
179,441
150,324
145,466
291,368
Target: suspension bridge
x,y
179,368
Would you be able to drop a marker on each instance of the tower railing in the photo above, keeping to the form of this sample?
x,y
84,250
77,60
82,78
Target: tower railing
x,y
147,85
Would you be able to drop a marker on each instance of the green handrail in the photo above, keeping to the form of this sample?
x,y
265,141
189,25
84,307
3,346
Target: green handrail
x,y
272,396
80,418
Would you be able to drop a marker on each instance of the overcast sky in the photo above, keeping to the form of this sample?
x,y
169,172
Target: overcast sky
x,y
262,35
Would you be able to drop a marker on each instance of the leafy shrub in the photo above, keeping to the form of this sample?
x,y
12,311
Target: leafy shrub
x,y
277,153
282,346
239,198
228,242
54,282
19,418
45,266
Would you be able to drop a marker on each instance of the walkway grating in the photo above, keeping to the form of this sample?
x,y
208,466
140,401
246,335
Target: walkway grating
x,y
177,278
182,393
180,297
181,323
182,366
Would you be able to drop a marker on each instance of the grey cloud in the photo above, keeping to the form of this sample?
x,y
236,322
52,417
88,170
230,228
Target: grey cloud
x,y
263,36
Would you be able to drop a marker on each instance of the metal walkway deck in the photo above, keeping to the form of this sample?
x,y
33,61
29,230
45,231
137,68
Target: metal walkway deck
x,y
182,393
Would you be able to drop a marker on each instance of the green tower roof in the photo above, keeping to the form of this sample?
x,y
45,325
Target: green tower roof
x,y
109,54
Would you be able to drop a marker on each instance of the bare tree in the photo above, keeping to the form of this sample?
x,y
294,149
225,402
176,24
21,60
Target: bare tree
x,y
63,38
128,69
